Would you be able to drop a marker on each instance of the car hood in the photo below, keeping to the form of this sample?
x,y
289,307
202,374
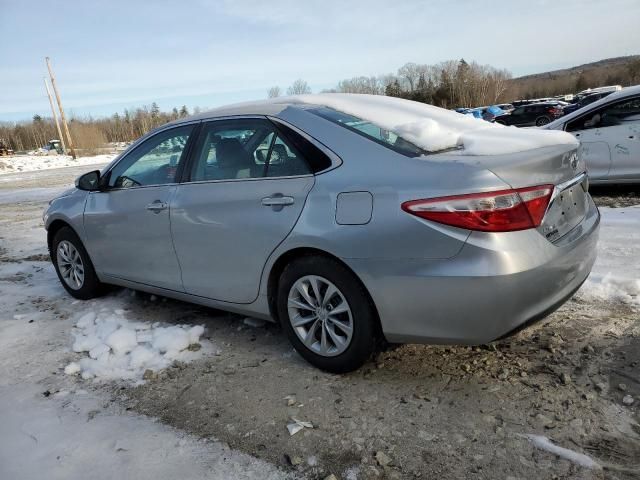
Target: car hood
x,y
66,193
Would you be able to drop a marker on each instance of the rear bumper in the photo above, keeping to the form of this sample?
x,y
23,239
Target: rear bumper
x,y
496,284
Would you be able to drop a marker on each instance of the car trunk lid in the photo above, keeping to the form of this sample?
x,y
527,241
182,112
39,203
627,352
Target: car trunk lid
x,y
561,166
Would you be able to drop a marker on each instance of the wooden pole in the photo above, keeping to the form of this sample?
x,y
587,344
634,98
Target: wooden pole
x,y
64,120
55,115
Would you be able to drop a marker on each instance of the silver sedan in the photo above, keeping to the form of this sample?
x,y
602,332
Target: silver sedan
x,y
344,231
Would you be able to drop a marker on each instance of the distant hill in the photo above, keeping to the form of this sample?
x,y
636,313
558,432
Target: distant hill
x,y
623,71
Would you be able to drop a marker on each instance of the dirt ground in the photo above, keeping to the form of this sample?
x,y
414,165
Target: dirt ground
x,y
415,411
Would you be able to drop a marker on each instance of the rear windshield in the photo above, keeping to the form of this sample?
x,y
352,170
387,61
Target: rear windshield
x,y
371,131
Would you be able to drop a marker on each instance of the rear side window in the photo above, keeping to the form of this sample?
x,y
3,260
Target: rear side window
x,y
243,149
370,130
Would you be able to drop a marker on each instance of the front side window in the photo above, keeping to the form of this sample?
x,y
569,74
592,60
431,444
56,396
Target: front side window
x,y
370,130
624,112
154,162
243,149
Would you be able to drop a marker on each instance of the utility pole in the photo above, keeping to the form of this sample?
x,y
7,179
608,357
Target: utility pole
x,y
64,120
55,115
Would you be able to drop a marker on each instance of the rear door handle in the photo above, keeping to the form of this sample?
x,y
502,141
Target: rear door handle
x,y
277,201
157,206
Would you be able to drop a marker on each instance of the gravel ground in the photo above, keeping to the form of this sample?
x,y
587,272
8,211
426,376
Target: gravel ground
x,y
414,411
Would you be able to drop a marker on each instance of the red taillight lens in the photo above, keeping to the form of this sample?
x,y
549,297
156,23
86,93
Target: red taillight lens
x,y
500,211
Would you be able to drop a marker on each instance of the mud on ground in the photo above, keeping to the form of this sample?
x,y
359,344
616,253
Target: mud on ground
x,y
434,411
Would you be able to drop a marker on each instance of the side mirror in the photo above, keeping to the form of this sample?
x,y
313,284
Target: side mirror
x,y
89,181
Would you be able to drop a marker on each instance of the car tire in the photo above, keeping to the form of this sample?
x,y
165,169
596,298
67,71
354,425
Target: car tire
x,y
540,121
342,289
73,265
501,122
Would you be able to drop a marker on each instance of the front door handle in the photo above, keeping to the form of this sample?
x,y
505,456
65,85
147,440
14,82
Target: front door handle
x,y
157,206
277,201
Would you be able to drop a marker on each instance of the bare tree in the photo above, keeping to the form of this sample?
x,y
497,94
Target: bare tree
x,y
410,72
299,87
274,92
369,85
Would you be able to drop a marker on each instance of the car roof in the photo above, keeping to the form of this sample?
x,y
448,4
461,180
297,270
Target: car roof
x,y
619,95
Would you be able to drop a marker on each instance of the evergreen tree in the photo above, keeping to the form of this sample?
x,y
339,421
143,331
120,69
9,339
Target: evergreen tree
x,y
393,89
184,112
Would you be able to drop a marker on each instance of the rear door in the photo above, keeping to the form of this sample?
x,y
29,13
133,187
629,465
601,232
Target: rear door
x,y
246,187
610,136
127,222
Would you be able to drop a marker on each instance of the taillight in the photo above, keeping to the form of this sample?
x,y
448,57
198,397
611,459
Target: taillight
x,y
554,111
498,211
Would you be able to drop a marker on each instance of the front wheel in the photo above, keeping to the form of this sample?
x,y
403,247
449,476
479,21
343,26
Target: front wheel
x,y
73,265
327,314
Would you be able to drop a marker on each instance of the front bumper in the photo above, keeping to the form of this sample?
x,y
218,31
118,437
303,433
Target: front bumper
x,y
496,284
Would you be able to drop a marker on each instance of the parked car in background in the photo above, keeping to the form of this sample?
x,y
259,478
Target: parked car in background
x,y
330,223
609,131
584,101
535,114
608,88
506,107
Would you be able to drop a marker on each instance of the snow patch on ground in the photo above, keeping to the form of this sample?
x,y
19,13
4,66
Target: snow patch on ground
x,y
71,435
434,128
578,458
118,348
29,163
616,274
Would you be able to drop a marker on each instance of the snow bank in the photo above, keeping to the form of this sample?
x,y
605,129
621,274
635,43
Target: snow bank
x,y
616,274
118,348
578,458
29,163
434,128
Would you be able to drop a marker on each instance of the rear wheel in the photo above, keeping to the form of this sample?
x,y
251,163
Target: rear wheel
x,y
540,121
327,314
73,265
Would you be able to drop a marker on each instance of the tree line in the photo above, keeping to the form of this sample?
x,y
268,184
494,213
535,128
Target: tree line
x,y
89,134
454,83
448,84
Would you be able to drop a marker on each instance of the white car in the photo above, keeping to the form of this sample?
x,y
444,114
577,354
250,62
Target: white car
x,y
609,131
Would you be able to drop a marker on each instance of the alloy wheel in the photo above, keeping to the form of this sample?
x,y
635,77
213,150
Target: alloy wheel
x,y
320,315
70,265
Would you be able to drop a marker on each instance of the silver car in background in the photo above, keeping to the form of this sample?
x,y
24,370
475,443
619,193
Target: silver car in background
x,y
609,132
344,232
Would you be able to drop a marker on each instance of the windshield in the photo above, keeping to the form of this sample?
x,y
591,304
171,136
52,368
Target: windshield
x,y
371,131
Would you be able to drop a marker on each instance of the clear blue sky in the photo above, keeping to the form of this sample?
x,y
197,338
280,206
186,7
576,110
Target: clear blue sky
x,y
113,54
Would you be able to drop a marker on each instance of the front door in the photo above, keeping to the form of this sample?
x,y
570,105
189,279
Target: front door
x,y
246,191
127,222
